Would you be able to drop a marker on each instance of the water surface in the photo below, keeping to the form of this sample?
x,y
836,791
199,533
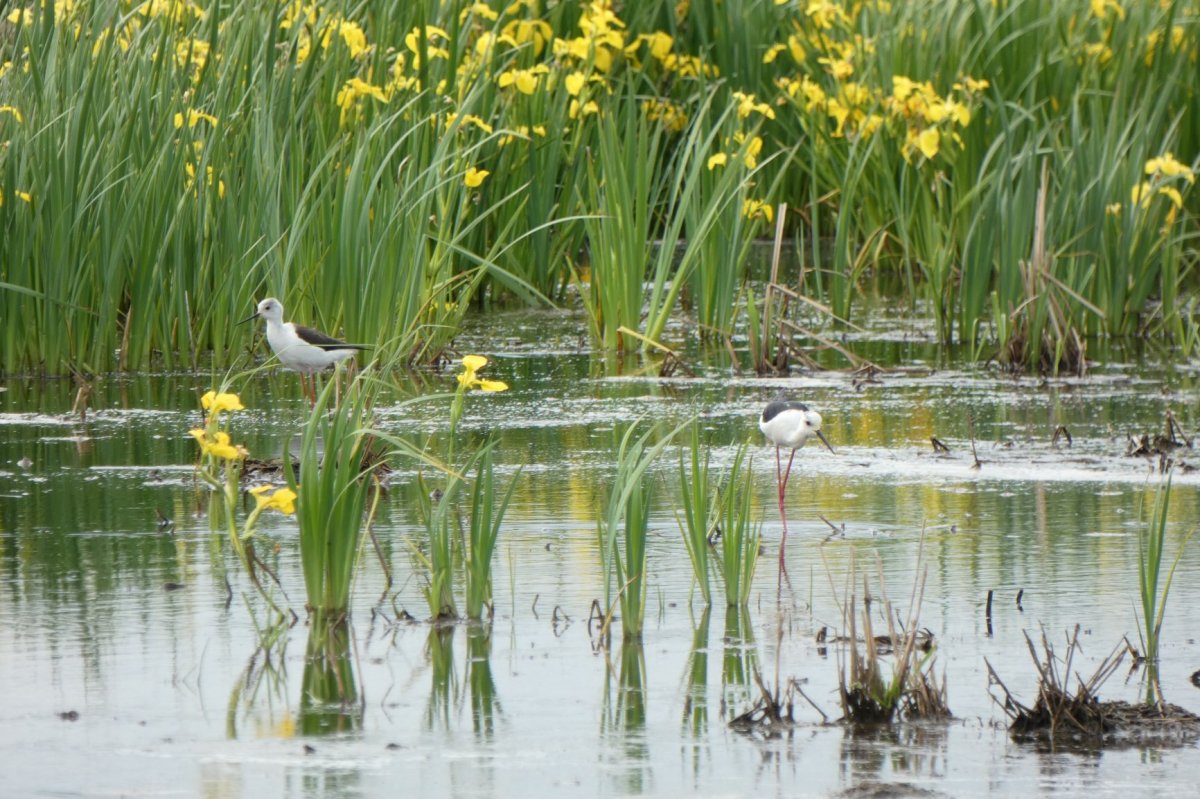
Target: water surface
x,y
129,671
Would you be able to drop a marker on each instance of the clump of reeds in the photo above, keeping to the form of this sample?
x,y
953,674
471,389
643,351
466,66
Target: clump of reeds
x,y
1151,544
627,509
720,521
1056,710
740,532
458,540
471,543
697,523
871,692
331,508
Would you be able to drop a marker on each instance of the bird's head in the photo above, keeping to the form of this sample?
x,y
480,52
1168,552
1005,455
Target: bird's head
x,y
270,309
813,420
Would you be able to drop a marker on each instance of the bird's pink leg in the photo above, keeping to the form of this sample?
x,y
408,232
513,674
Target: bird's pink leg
x,y
310,390
781,483
781,476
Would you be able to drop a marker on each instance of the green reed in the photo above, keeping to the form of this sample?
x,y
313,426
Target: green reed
x,y
697,523
129,242
437,510
741,532
457,539
1153,589
720,518
483,530
627,508
709,218
332,487
623,187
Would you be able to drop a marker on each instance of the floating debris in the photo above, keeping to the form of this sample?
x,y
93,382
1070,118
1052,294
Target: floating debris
x,y
1150,444
1061,433
887,790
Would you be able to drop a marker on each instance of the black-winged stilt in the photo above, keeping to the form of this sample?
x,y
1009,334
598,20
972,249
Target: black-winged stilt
x,y
791,425
299,348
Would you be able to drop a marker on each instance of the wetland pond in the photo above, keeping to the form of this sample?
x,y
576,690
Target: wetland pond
x,y
127,671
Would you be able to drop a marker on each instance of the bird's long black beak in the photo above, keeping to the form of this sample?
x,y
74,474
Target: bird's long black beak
x,y
825,441
249,318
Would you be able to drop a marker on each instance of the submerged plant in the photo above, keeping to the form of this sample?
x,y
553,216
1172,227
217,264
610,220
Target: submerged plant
x,y
330,701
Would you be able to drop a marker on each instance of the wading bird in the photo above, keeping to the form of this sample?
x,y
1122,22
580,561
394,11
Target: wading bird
x,y
791,425
301,349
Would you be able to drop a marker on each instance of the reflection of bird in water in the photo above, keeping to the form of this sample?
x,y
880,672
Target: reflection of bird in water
x,y
301,349
791,425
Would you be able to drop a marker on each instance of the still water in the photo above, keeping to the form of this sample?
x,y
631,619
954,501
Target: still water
x,y
128,671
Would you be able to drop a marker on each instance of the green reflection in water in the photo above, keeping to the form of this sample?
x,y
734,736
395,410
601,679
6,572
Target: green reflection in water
x,y
623,721
329,699
695,702
485,705
739,663
444,685
261,688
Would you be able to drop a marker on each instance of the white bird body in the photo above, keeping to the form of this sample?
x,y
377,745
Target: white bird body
x,y
790,424
301,349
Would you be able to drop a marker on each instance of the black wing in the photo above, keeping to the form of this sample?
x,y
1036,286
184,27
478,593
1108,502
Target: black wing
x,y
316,338
777,407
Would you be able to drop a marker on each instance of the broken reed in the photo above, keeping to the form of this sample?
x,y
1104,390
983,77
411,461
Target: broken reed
x,y
1056,711
871,693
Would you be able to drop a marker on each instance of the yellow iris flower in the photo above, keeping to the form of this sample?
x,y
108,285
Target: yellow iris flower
x,y
475,177
467,379
282,500
218,446
218,403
